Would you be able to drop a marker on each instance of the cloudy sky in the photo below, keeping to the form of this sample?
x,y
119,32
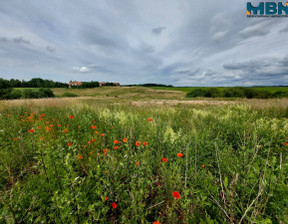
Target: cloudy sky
x,y
178,42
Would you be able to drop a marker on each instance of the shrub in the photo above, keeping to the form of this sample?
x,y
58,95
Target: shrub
x,y
5,89
197,93
44,92
212,92
234,92
15,94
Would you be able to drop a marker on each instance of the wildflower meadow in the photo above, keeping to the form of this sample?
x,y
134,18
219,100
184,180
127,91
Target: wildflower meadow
x,y
121,163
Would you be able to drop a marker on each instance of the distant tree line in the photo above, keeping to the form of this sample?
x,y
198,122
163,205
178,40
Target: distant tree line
x,y
242,92
151,85
36,83
91,84
8,92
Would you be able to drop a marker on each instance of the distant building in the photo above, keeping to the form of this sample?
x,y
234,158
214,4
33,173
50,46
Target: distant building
x,y
74,84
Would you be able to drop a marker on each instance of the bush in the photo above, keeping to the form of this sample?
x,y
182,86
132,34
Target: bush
x,y
196,93
234,92
5,89
15,94
213,92
280,94
242,92
42,93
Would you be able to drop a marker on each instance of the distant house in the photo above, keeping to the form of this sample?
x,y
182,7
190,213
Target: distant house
x,y
109,84
74,84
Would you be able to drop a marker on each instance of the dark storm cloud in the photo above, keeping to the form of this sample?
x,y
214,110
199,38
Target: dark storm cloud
x,y
3,39
265,69
252,65
50,49
20,40
158,30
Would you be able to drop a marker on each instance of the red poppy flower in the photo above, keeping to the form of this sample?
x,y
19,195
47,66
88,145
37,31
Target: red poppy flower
x,y
144,143
84,146
89,142
165,160
39,127
51,125
69,143
156,222
202,165
114,205
180,154
96,132
137,143
15,139
93,140
176,195
93,126
42,115
40,119
137,163
106,198
149,119
47,128
124,140
116,147
116,141
102,135
31,130
105,151
59,125
47,122
71,116
285,143
42,138
65,130
80,157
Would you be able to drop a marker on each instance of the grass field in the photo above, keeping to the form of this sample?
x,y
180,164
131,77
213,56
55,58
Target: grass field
x,y
142,155
271,89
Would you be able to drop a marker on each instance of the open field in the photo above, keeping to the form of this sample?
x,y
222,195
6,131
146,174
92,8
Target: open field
x,y
271,89
140,155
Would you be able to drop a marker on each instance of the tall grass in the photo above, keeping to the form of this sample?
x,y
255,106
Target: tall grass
x,y
61,164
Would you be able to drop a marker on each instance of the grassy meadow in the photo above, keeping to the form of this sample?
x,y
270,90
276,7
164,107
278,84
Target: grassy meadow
x,y
143,155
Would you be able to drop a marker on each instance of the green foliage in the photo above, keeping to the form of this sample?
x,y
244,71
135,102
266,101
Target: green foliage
x,y
41,93
36,83
233,169
242,92
68,94
5,89
91,84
